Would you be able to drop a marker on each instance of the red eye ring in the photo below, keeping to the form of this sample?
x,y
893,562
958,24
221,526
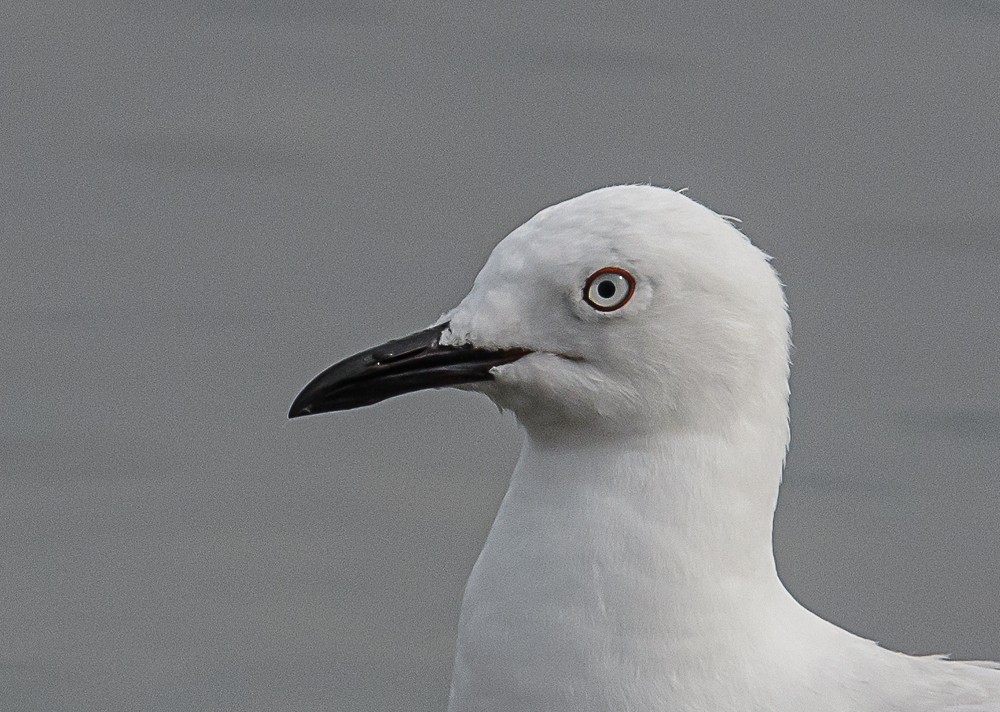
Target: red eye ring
x,y
621,283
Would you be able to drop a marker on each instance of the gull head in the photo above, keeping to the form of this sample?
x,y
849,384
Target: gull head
x,y
625,310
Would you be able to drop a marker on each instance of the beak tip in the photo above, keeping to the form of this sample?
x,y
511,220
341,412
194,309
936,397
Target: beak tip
x,y
298,410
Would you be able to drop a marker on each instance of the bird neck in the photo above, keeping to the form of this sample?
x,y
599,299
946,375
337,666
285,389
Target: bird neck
x,y
633,560
702,501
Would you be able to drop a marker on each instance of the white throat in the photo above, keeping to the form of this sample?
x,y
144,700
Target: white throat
x,y
617,572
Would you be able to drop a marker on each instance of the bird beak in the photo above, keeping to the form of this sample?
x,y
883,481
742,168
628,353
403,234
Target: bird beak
x,y
412,363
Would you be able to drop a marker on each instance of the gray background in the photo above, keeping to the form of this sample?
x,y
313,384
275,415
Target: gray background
x,y
205,203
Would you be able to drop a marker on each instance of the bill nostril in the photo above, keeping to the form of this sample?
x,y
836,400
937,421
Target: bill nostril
x,y
408,346
391,357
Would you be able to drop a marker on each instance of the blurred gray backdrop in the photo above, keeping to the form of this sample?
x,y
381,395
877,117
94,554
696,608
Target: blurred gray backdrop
x,y
205,203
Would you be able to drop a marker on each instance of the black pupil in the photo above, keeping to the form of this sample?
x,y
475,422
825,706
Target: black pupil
x,y
606,289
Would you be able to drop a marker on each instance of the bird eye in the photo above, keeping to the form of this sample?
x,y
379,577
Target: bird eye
x,y
608,289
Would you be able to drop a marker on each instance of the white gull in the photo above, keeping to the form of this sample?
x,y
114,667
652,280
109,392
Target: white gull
x,y
642,342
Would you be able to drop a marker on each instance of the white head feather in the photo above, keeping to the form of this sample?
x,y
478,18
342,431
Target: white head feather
x,y
703,343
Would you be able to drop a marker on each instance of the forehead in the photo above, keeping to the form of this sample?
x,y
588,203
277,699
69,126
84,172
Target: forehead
x,y
632,223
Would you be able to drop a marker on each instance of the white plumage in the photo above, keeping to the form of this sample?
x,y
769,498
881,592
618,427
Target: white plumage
x,y
630,566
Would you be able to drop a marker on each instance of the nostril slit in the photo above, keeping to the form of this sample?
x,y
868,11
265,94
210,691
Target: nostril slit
x,y
389,357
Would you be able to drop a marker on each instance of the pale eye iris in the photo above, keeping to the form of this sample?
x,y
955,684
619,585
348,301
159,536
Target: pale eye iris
x,y
609,289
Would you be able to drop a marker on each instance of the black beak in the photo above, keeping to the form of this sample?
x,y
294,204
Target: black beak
x,y
404,365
